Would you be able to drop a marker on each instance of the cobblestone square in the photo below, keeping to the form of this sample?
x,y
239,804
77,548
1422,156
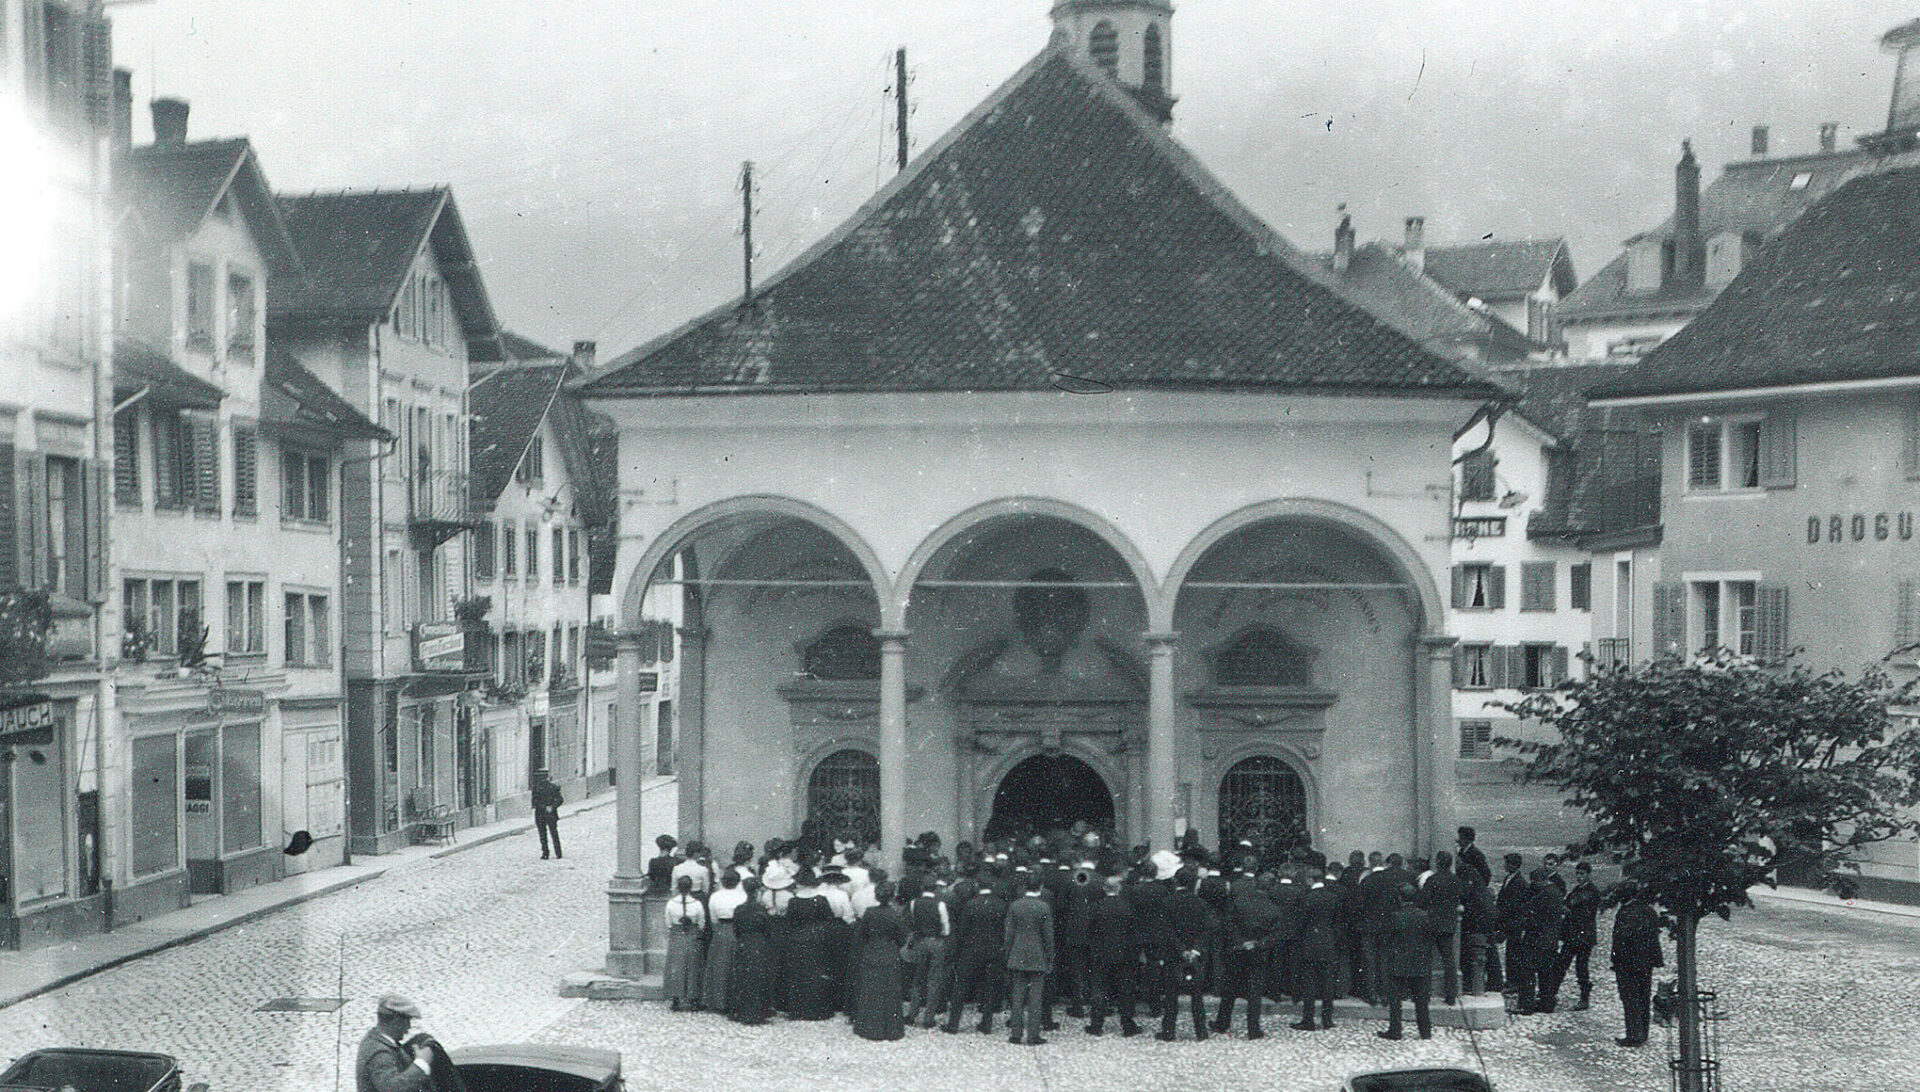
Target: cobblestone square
x,y
481,938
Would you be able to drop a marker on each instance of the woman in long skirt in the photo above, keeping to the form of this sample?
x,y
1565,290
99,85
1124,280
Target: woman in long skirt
x,y
750,979
686,922
809,970
876,988
722,905
776,897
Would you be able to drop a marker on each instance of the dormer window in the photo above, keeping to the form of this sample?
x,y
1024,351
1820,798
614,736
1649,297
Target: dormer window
x,y
1154,61
1103,45
1801,180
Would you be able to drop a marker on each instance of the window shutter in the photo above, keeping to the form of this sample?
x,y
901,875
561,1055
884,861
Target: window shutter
x,y
204,453
1559,670
1906,619
1777,458
1770,622
94,484
99,74
1459,586
126,458
1536,585
1669,617
30,480
1580,586
9,526
1496,586
1459,667
246,470
1910,451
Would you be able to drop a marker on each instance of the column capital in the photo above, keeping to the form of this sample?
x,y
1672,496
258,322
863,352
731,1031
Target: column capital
x,y
693,633
894,637
1437,644
1161,638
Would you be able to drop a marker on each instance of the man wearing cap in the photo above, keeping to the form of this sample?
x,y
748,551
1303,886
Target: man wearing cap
x,y
546,812
386,1066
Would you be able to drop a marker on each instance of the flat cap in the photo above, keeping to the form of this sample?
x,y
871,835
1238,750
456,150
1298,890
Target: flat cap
x,y
398,1006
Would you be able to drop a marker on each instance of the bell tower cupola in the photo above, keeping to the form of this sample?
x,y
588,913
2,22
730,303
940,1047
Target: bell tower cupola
x,y
1130,40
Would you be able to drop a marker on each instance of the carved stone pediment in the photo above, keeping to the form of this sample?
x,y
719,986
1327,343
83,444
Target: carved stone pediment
x,y
837,701
1234,708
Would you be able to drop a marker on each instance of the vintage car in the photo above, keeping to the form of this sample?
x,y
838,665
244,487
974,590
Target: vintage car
x,y
75,1069
1418,1080
528,1067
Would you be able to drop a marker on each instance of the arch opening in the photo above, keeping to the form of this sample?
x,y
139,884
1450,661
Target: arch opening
x,y
1049,792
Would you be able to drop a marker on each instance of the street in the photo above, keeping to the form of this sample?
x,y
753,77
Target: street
x,y
481,939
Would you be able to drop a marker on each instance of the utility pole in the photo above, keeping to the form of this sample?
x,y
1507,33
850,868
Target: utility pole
x,y
900,99
746,229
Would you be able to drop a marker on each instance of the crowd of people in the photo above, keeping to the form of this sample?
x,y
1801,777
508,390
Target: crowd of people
x,y
1071,923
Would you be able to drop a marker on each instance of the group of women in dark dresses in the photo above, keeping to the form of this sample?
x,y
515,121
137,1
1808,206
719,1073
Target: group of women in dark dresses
x,y
754,948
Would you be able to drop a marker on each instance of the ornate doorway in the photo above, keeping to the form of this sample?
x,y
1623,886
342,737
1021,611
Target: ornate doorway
x,y
1047,792
843,798
1263,801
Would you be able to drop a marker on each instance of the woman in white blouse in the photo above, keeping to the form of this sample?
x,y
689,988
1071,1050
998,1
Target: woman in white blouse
x,y
686,927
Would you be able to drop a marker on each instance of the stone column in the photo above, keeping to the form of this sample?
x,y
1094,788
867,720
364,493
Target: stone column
x,y
1162,768
893,744
627,917
1433,743
690,750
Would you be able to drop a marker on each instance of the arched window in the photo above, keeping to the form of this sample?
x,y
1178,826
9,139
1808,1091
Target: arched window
x,y
1263,656
1103,45
1263,802
843,797
1154,61
846,651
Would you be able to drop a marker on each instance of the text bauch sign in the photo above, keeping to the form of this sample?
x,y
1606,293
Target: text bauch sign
x,y
26,719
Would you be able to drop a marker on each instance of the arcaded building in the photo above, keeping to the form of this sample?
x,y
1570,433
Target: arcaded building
x,y
1052,486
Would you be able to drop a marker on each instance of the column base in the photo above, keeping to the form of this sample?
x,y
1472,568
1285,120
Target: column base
x,y
636,929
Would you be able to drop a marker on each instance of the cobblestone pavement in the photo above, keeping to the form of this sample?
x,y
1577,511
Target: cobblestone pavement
x,y
481,939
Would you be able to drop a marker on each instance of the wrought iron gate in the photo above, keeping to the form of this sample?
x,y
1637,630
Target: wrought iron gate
x,y
1263,801
843,797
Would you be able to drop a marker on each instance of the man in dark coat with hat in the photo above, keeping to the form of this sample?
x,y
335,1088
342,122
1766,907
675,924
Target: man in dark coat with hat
x,y
978,936
1407,963
1441,896
1318,977
383,1064
1578,932
1191,927
1508,898
1252,930
1379,900
546,812
1636,952
1537,944
1113,957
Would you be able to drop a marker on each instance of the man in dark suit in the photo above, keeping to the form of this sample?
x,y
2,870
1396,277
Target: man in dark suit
x,y
1636,952
1508,899
1153,926
1029,944
1353,945
978,936
1379,899
1253,924
1190,924
1476,926
386,1066
1440,896
1408,965
1536,944
1113,957
1470,856
1578,932
546,812
1319,950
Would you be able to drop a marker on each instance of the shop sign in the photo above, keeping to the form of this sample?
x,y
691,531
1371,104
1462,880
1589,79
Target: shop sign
x,y
439,646
26,719
649,682
1859,527
239,702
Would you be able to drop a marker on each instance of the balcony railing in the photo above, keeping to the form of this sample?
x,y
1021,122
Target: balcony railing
x,y
438,496
1611,652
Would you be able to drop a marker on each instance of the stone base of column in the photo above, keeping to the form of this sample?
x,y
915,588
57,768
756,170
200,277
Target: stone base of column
x,y
636,927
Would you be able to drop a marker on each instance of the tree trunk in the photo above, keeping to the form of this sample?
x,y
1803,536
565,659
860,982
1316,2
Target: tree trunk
x,y
1691,1076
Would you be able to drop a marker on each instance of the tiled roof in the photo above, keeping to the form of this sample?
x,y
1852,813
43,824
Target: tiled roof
x,y
1499,271
358,247
1835,297
293,398
137,366
1756,198
507,408
1605,478
173,188
1380,280
1055,238
517,348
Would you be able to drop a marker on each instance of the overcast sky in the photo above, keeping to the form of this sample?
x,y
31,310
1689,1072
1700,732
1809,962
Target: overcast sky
x,y
594,145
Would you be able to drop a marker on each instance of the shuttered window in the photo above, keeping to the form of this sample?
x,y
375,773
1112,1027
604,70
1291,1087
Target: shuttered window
x,y
1478,586
1476,476
1770,624
246,470
126,458
1580,586
9,509
1669,617
483,551
1476,740
1473,667
203,454
1906,616
1536,585
200,305
170,460
1778,458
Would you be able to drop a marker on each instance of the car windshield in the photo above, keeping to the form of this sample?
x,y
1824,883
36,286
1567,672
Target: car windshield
x,y
90,1072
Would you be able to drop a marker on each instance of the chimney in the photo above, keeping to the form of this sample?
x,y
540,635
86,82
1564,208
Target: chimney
x,y
583,354
1759,142
1689,251
122,109
1343,244
1415,247
1829,135
169,121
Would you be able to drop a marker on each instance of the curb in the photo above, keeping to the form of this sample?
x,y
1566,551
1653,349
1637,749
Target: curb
x,y
367,872
1803,899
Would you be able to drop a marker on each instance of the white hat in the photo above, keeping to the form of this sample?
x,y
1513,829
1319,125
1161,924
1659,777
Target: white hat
x,y
1165,863
778,877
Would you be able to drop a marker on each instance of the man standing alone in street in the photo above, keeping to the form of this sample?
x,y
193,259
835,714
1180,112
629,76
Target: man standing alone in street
x,y
1636,952
546,812
386,1066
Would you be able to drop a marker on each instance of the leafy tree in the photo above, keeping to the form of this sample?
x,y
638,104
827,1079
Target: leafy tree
x,y
1707,776
26,618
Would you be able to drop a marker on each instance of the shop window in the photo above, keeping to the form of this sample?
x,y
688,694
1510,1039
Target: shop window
x,y
240,816
155,779
35,766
